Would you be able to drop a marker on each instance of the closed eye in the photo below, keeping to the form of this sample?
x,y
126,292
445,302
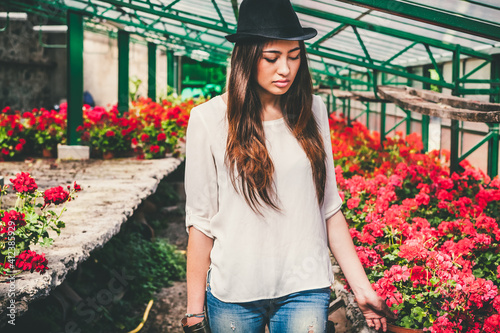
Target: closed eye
x,y
271,60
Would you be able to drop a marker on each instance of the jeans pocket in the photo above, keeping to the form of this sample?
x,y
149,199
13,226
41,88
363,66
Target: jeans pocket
x,y
207,287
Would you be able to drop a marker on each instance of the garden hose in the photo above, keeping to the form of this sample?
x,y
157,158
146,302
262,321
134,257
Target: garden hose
x,y
144,318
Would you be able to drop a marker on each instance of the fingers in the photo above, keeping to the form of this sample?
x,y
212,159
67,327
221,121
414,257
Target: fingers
x,y
376,323
384,324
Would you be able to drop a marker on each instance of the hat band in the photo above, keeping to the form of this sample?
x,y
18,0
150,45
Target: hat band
x,y
286,32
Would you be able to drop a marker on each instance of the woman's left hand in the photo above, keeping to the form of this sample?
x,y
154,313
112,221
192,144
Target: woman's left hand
x,y
375,310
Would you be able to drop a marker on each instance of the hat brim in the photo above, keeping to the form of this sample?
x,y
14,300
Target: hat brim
x,y
238,37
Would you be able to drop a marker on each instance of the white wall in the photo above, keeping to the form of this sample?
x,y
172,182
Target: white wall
x,y
100,67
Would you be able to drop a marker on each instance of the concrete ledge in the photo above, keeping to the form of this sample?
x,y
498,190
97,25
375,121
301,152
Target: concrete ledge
x,y
73,152
112,190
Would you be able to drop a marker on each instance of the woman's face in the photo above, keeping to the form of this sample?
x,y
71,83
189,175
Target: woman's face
x,y
278,66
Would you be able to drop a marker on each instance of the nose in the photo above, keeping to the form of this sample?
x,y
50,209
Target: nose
x,y
283,67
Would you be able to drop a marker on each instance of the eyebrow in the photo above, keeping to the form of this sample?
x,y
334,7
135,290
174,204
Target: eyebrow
x,y
278,52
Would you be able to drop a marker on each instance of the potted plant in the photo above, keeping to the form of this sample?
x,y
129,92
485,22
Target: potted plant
x,y
106,132
12,135
45,129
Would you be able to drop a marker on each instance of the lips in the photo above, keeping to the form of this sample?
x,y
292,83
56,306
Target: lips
x,y
281,83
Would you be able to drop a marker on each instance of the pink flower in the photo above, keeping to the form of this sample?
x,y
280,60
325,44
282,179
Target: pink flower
x,y
353,203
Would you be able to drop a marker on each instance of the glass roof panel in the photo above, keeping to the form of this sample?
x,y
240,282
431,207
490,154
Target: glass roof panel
x,y
203,24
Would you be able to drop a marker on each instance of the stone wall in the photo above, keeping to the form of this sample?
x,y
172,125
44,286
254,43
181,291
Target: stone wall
x,y
25,67
33,76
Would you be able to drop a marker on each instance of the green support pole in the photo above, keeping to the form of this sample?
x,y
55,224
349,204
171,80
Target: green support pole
x,y
349,88
493,151
368,115
123,70
382,122
74,54
455,128
344,104
425,132
493,143
178,74
152,71
408,122
170,69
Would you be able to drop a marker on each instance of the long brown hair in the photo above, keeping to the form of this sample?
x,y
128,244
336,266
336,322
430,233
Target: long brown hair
x,y
246,151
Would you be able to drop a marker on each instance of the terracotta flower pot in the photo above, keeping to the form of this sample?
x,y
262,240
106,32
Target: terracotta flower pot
x,y
396,329
108,155
47,153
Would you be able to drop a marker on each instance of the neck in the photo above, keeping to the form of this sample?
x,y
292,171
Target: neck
x,y
270,103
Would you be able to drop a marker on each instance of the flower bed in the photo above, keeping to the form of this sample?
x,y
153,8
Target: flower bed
x,y
428,240
148,130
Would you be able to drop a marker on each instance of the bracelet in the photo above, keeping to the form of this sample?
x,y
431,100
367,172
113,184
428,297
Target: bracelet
x,y
196,315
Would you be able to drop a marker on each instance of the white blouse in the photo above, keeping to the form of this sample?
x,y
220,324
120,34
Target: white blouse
x,y
256,257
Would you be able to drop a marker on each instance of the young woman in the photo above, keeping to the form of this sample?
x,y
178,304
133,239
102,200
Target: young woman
x,y
262,206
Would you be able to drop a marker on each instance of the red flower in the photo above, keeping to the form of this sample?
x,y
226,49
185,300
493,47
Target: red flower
x,y
23,183
56,195
144,137
134,142
19,147
161,137
10,132
10,217
173,133
154,149
31,261
5,151
110,133
77,187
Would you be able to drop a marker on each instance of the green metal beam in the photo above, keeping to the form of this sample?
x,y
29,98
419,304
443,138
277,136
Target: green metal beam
x,y
381,68
455,126
74,56
388,31
388,61
360,40
329,35
434,63
418,12
464,78
123,70
224,24
171,16
152,71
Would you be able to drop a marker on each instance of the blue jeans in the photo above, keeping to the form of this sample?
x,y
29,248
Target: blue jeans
x,y
301,312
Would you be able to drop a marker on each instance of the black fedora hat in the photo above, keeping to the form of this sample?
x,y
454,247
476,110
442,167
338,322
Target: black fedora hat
x,y
273,19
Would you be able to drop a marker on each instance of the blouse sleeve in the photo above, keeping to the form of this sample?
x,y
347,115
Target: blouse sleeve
x,y
332,202
200,180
